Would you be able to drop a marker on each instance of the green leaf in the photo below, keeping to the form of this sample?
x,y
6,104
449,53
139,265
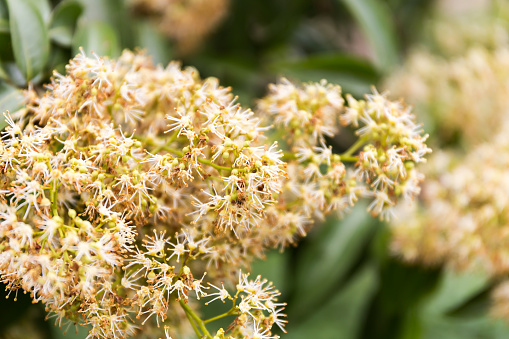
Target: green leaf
x,y
454,290
13,74
29,34
274,268
63,22
451,328
114,13
71,332
353,74
4,26
61,35
329,256
475,307
11,99
97,37
376,22
43,7
341,315
6,53
153,41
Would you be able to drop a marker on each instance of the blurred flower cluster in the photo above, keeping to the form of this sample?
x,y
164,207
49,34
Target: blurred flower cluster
x,y
464,218
187,22
461,80
131,192
461,219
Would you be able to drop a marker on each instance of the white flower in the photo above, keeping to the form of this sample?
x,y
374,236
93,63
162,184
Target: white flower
x,y
221,294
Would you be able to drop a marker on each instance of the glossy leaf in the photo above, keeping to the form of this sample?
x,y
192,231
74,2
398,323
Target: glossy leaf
x,y
63,22
113,13
11,99
30,39
149,38
328,258
454,290
376,21
97,37
43,7
353,74
341,315
13,74
4,26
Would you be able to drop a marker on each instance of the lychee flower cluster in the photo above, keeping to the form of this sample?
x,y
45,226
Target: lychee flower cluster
x,y
464,95
463,90
187,22
461,218
320,180
466,221
457,26
132,194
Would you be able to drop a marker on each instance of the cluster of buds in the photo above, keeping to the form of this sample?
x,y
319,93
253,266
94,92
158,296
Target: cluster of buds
x,y
131,191
186,22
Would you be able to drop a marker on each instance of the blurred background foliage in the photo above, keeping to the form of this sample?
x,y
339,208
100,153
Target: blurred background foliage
x,y
341,281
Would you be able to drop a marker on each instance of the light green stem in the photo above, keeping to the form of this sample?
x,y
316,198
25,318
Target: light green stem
x,y
232,311
197,319
353,148
203,161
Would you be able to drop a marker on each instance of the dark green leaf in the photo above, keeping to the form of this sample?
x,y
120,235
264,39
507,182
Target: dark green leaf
x,y
71,332
475,307
30,39
63,22
354,75
11,99
274,268
6,53
376,21
4,26
97,37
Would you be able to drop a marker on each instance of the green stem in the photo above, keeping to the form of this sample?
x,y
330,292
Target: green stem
x,y
53,198
193,315
203,161
353,148
232,311
346,158
167,148
168,143
289,156
196,330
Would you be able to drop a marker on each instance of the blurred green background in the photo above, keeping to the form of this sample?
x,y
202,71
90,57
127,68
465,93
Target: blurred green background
x,y
341,281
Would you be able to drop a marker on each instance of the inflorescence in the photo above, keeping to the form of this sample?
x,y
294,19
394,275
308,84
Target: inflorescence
x,y
130,193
